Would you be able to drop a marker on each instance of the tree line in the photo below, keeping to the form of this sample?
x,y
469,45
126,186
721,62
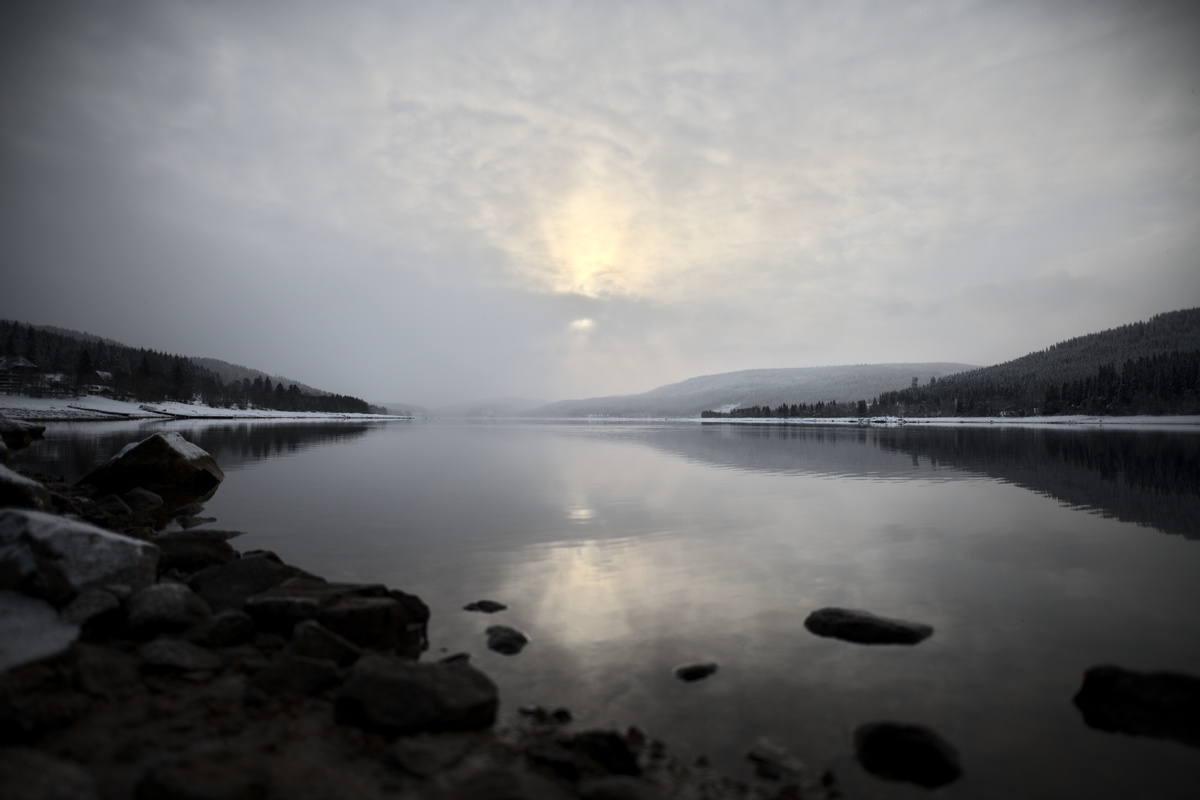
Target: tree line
x,y
58,364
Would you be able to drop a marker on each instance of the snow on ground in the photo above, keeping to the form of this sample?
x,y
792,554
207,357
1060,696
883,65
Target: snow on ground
x,y
1188,423
97,407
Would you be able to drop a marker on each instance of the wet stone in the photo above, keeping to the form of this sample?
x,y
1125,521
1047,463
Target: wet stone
x,y
230,585
190,554
314,640
863,627
506,640
912,753
165,608
695,671
139,499
486,606
1160,705
174,654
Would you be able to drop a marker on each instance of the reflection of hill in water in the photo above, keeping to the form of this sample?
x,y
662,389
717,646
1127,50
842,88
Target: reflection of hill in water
x,y
1150,478
76,452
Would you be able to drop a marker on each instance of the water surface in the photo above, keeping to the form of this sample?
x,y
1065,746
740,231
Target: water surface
x,y
624,550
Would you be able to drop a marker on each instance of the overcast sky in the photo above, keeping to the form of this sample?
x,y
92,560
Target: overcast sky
x,y
429,202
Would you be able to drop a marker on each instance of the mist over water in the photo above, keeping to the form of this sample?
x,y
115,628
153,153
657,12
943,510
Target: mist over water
x,y
623,550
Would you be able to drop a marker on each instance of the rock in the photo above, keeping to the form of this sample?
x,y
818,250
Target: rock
x,y
293,674
1161,705
425,754
314,640
55,558
695,671
393,696
281,607
190,553
506,640
165,608
207,772
5,458
862,627
173,654
165,464
608,749
97,612
230,585
142,500
773,761
618,787
486,606
102,671
227,628
506,784
187,523
28,774
18,491
30,629
18,434
911,753
110,508
366,621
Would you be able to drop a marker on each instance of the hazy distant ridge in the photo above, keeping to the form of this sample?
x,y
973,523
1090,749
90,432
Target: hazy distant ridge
x,y
755,387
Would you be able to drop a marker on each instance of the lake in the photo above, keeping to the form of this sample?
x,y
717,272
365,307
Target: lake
x,y
626,549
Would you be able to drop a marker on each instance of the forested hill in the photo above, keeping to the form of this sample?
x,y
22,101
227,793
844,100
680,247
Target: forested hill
x,y
1150,367
44,361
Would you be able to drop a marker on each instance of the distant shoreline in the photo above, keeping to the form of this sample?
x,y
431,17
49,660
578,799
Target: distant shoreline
x,y
97,408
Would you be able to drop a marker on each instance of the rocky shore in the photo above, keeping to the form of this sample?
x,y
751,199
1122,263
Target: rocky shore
x,y
144,657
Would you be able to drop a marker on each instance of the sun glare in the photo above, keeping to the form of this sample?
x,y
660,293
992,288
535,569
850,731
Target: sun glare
x,y
592,248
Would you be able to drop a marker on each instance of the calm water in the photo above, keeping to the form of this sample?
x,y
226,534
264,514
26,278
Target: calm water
x,y
625,550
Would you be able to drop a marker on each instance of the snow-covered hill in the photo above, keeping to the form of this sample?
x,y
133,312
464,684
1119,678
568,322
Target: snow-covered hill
x,y
753,387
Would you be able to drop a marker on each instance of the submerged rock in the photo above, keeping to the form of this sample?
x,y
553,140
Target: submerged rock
x,y
393,696
773,761
1161,705
166,464
863,627
55,558
900,752
486,606
695,671
506,640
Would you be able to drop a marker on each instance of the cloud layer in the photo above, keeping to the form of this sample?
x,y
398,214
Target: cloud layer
x,y
423,202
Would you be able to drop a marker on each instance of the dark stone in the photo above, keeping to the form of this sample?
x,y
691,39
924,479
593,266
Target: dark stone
x,y
28,774
863,627
190,554
506,784
166,464
174,654
607,749
1160,705
18,491
426,754
486,606
19,434
506,640
139,499
281,607
111,508
398,697
314,640
207,772
293,674
97,612
165,608
911,753
366,621
696,671
230,585
227,628
618,787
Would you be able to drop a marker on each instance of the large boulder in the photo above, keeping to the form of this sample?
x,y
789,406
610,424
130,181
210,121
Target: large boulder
x,y
1161,705
863,627
400,697
166,464
55,558
30,629
20,492
18,434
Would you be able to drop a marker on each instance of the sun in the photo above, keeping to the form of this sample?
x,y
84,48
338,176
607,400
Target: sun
x,y
592,247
